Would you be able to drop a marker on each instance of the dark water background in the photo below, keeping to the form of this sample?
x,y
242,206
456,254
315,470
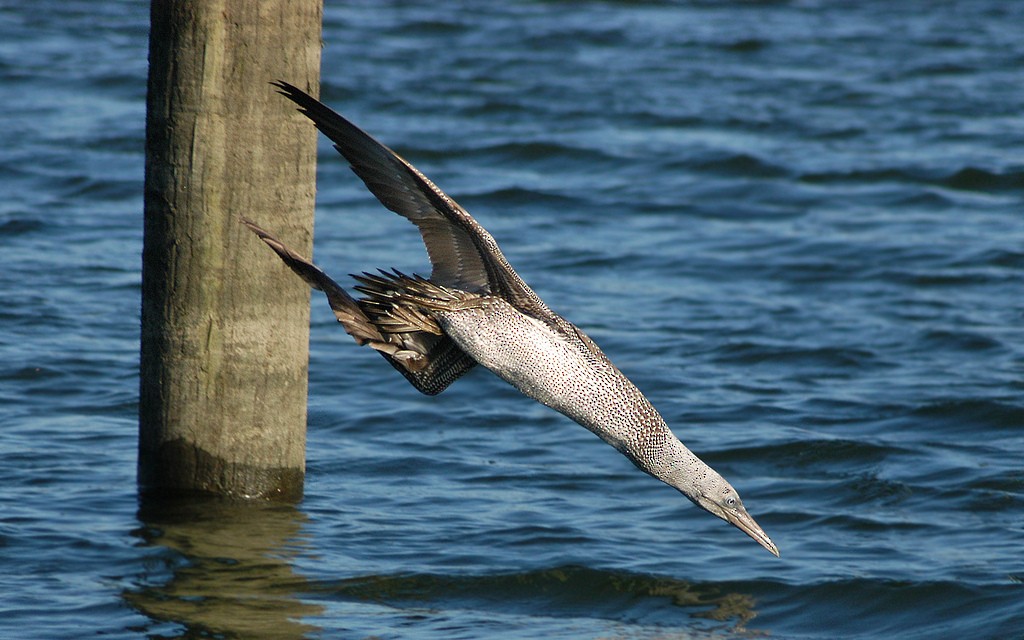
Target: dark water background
x,y
798,226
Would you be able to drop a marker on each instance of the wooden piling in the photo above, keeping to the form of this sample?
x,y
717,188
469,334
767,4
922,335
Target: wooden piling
x,y
225,329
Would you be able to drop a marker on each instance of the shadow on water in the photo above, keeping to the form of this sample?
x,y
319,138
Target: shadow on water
x,y
224,569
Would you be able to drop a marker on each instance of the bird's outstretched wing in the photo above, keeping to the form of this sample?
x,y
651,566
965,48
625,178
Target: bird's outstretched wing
x,y
463,254
428,360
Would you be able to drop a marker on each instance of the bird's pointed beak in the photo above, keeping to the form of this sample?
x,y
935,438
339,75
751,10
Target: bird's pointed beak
x,y
742,520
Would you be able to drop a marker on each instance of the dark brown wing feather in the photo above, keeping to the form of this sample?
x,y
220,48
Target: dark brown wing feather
x,y
463,254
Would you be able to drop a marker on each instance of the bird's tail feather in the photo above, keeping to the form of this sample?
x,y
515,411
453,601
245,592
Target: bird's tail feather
x,y
408,302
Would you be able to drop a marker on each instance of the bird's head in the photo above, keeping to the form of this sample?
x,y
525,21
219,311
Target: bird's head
x,y
713,493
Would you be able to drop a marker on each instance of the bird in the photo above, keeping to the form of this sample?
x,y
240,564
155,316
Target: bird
x,y
475,309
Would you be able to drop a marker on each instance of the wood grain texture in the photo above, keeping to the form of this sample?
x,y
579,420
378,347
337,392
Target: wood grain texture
x,y
225,330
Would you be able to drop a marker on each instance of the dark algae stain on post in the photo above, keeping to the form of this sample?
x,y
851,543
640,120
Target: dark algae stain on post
x,y
796,226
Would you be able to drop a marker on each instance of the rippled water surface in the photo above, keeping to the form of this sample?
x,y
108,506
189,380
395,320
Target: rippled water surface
x,y
798,226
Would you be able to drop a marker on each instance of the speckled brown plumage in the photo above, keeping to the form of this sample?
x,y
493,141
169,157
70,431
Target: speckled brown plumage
x,y
475,309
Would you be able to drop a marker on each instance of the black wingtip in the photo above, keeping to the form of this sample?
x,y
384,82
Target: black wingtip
x,y
305,101
284,88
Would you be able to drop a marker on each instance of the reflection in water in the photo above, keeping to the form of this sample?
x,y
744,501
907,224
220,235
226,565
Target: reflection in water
x,y
569,591
224,569
227,570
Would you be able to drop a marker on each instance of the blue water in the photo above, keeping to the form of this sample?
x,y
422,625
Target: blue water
x,y
798,226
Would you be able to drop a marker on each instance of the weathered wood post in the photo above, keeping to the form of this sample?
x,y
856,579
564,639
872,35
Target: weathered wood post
x,y
225,329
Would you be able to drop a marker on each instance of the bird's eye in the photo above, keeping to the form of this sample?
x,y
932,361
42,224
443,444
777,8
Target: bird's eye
x,y
730,501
